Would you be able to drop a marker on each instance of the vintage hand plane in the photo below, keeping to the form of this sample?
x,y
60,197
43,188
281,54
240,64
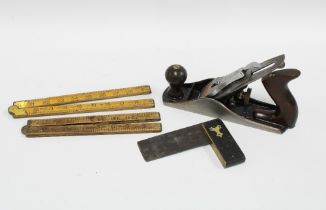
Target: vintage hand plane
x,y
229,98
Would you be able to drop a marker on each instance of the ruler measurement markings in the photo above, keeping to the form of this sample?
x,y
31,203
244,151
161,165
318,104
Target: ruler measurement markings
x,y
117,118
81,108
70,130
84,97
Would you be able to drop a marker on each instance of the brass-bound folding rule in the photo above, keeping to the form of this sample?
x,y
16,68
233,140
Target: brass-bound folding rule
x,y
84,97
80,108
113,119
91,129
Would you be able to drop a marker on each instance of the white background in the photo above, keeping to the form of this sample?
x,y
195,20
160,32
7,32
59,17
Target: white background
x,y
58,47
